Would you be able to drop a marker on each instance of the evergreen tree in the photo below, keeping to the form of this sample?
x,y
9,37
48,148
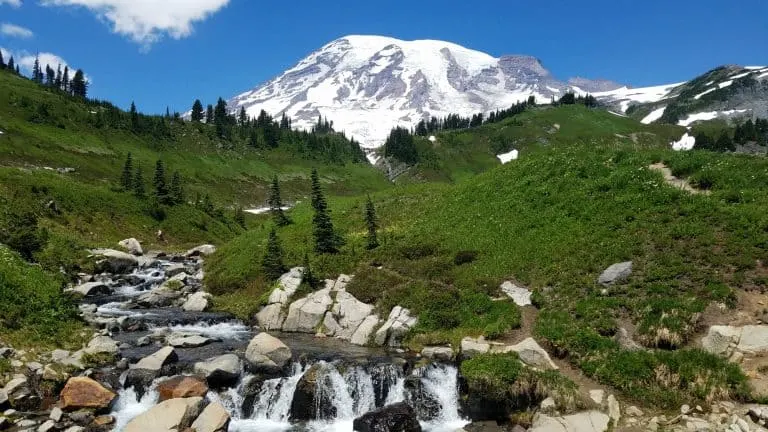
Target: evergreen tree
x,y
65,79
276,204
209,114
57,82
126,179
197,111
307,276
326,240
2,62
724,143
372,224
240,217
272,264
138,184
78,86
242,117
50,76
400,145
37,74
177,190
17,68
134,117
531,100
159,184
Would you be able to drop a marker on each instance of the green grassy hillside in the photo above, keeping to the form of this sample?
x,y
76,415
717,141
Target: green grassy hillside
x,y
553,220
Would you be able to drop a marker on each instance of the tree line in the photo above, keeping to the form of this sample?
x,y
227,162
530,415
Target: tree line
x,y
743,133
48,77
326,239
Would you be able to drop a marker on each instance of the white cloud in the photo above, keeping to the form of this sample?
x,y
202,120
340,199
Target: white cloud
x,y
147,21
26,61
14,3
13,30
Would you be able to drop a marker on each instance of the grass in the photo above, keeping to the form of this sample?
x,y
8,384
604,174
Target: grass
x,y
34,311
552,221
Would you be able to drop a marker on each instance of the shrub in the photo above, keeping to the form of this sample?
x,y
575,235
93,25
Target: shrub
x,y
464,257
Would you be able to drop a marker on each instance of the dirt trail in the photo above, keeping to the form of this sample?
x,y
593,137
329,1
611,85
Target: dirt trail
x,y
674,181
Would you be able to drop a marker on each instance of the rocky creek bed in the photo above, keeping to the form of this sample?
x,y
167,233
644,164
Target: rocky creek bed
x,y
160,360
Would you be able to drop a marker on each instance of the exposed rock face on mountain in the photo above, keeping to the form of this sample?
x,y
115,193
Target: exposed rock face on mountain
x,y
368,84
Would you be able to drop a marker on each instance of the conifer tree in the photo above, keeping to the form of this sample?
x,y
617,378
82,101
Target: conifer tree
x,y
50,76
36,72
197,111
134,117
326,240
78,86
307,276
240,217
57,82
276,204
159,184
126,179
209,114
2,62
372,224
65,79
138,184
242,117
272,263
10,65
17,68
177,190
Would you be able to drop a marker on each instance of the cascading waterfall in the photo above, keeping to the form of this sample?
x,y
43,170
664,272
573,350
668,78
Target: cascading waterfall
x,y
441,383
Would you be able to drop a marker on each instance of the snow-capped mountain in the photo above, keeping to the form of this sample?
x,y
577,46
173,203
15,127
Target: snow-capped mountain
x,y
368,84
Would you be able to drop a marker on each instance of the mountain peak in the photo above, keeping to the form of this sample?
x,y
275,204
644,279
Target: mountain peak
x,y
367,84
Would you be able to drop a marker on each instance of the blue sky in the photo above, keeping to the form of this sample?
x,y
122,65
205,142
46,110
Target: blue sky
x,y
169,52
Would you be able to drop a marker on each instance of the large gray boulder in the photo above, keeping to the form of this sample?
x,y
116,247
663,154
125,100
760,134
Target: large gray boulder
x,y
754,339
271,316
399,323
102,345
399,417
349,312
132,246
220,372
720,339
266,352
437,353
588,421
197,302
112,261
202,250
170,416
471,347
616,273
187,341
530,353
158,298
90,289
156,361
214,418
362,335
521,296
305,315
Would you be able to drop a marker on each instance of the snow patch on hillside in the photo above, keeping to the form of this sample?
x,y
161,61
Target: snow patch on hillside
x,y
698,96
627,95
710,115
507,157
725,84
685,143
653,116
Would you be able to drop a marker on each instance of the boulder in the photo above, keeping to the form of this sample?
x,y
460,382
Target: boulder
x,y
330,326
112,261
304,315
90,289
531,353
17,393
187,341
521,296
156,361
308,403
589,421
83,392
132,246
397,417
197,302
4,404
754,339
174,269
203,250
349,312
158,298
616,273
267,352
271,317
395,328
614,410
168,416
471,347
56,414
362,336
720,338
214,418
220,372
181,387
140,380
102,345
47,426
438,353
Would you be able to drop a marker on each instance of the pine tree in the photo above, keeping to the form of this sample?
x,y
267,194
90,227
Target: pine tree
x,y
197,111
276,204
138,184
242,117
724,143
50,76
126,179
65,79
307,276
372,224
134,117
159,184
36,72
17,68
2,62
177,190
240,217
57,83
272,264
209,114
78,86
326,240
